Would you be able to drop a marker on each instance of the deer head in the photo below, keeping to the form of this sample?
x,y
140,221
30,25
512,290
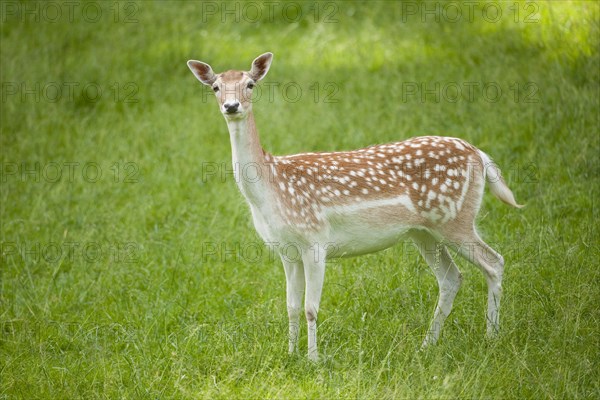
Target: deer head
x,y
233,89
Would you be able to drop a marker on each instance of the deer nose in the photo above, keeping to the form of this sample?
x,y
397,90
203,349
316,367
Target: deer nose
x,y
231,106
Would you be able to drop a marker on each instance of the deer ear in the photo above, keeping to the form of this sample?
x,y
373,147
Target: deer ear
x,y
260,66
202,71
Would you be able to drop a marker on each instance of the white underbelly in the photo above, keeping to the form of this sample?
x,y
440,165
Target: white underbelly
x,y
366,231
353,242
348,231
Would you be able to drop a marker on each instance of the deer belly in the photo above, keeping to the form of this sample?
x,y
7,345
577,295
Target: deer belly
x,y
349,232
368,227
353,240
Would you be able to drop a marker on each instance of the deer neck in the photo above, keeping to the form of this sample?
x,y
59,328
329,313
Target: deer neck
x,y
249,163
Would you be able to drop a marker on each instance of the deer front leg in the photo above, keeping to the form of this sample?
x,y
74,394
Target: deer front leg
x,y
294,276
314,272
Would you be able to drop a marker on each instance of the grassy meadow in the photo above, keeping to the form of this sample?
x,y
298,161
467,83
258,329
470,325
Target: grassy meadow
x,y
129,265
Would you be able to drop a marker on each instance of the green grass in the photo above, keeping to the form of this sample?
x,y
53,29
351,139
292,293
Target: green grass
x,y
150,282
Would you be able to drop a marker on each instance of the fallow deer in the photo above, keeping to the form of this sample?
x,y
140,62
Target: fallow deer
x,y
347,203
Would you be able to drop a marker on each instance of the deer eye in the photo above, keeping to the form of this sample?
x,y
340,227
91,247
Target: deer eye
x,y
215,88
250,85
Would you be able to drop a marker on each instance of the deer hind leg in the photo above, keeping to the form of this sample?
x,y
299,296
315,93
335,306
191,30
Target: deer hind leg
x,y
447,275
472,248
